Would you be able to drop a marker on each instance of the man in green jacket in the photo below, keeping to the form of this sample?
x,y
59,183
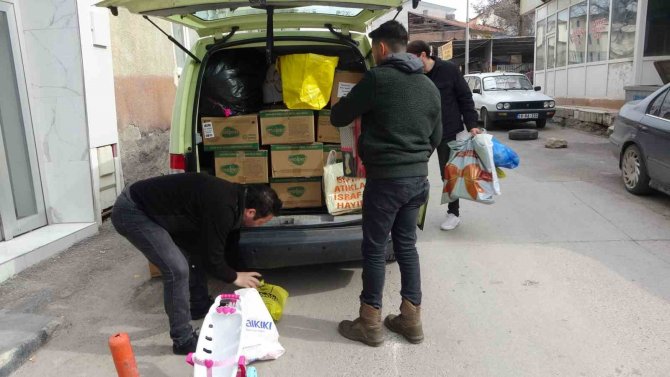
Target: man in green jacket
x,y
401,127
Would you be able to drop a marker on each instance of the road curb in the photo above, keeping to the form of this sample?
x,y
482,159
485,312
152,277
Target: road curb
x,y
14,355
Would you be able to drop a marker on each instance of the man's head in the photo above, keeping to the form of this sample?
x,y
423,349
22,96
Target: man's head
x,y
422,50
389,38
261,205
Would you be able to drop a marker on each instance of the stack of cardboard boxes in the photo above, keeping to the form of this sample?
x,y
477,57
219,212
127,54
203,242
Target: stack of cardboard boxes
x,y
285,148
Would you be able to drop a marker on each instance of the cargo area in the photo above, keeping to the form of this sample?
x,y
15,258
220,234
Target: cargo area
x,y
246,134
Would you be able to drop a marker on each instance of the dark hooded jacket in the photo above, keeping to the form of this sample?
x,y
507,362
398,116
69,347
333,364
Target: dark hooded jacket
x,y
400,114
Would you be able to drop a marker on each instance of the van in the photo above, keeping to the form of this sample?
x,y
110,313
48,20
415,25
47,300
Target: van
x,y
271,28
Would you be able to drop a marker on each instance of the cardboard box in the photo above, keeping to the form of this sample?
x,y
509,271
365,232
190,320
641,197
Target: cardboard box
x,y
154,272
328,148
342,84
242,166
287,126
298,192
290,161
232,133
325,131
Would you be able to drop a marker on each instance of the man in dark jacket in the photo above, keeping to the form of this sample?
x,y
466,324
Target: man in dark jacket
x,y
177,219
457,108
400,115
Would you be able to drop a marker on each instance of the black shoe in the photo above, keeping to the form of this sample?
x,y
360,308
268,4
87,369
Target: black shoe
x,y
199,311
186,348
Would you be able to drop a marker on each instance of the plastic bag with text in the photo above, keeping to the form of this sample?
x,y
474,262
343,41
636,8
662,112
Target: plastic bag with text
x,y
470,173
342,194
260,339
307,80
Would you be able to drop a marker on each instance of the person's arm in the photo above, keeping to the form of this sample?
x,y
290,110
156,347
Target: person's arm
x,y
358,102
464,98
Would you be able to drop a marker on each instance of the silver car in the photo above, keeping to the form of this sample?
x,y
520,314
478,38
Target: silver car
x,y
641,141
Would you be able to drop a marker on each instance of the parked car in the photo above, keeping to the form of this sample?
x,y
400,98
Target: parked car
x,y
509,97
273,28
641,142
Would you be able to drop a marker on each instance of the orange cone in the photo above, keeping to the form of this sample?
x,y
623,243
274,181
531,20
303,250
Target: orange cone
x,y
122,353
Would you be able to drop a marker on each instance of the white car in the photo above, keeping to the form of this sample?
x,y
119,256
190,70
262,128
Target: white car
x,y
501,96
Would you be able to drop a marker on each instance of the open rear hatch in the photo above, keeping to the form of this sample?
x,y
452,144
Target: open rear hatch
x,y
215,16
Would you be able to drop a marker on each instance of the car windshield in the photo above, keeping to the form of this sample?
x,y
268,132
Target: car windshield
x,y
507,83
217,14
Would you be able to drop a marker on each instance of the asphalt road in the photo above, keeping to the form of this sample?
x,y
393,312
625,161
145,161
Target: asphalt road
x,y
565,275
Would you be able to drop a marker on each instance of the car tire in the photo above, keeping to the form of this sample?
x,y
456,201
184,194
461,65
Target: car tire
x,y
634,171
522,134
541,123
487,124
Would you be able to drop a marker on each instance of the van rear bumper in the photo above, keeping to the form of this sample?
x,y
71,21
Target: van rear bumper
x,y
274,248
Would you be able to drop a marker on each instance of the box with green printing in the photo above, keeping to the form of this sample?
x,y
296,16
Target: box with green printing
x,y
287,126
242,166
297,160
298,192
233,133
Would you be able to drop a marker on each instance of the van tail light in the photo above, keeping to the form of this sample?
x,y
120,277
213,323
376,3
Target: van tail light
x,y
177,163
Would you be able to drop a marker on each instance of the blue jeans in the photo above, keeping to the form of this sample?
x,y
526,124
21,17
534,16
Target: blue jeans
x,y
391,206
180,279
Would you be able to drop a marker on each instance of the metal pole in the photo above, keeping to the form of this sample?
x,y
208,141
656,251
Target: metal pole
x,y
467,36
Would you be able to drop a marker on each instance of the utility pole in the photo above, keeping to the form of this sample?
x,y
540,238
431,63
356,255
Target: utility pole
x,y
467,36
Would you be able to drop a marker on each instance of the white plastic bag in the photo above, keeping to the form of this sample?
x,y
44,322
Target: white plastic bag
x,y
260,339
470,173
342,194
484,150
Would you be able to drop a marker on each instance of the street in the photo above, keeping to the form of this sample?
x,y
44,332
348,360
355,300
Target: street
x,y
565,275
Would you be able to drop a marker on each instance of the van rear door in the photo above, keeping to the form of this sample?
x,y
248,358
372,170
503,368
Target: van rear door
x,y
215,17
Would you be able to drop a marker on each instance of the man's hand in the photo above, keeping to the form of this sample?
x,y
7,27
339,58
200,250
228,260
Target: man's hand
x,y
247,280
476,131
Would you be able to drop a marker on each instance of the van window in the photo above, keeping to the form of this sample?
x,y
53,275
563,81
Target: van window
x,y
217,14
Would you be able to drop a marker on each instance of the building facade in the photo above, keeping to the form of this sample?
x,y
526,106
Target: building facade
x,y
58,142
587,51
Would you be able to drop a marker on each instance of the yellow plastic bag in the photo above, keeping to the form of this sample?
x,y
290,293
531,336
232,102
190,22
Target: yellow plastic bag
x,y
274,298
307,80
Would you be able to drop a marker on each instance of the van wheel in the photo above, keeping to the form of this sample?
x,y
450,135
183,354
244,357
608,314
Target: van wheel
x,y
486,119
634,171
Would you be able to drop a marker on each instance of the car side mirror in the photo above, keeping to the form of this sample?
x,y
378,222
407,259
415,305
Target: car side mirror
x,y
415,4
538,88
476,91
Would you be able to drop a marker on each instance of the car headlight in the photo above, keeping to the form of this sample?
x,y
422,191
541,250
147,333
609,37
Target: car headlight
x,y
499,106
552,104
546,104
507,106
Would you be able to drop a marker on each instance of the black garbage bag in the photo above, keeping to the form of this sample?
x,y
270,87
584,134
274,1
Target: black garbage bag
x,y
233,83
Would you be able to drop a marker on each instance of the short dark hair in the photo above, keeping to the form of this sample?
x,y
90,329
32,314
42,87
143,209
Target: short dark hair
x,y
263,199
393,34
417,47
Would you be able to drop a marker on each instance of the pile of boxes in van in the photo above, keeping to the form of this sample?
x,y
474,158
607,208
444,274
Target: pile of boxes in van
x,y
285,148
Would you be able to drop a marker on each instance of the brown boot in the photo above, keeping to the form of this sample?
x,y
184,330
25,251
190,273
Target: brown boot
x,y
408,323
367,328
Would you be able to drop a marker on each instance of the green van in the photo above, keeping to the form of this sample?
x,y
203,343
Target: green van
x,y
275,28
